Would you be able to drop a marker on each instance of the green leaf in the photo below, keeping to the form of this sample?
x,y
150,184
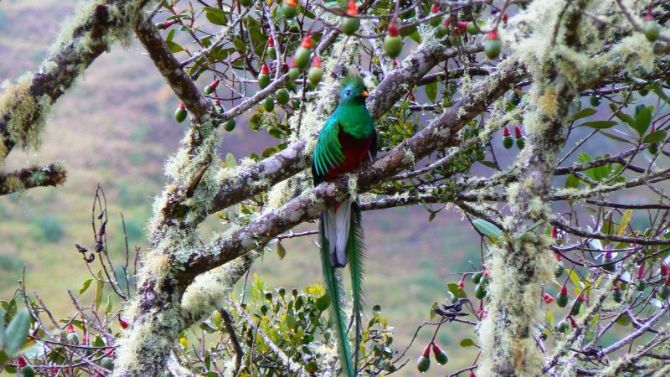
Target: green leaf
x,y
169,36
599,124
239,44
108,307
623,223
416,37
174,47
655,137
486,228
642,120
85,286
467,342
583,113
572,181
216,16
431,91
575,278
17,332
622,116
99,287
456,290
230,160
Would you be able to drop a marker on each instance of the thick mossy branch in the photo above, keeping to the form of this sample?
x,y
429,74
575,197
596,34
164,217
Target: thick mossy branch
x,y
24,106
439,134
34,176
292,160
550,40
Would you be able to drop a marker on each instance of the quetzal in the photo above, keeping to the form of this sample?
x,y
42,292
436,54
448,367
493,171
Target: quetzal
x,y
346,140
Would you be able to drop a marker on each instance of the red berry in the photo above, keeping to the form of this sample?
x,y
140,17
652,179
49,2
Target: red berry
x,y
472,373
664,269
506,132
393,29
352,9
316,62
492,35
306,42
505,18
554,235
435,8
214,83
265,70
426,351
639,274
70,328
548,299
564,291
667,281
517,132
580,298
123,323
462,26
461,283
271,41
21,361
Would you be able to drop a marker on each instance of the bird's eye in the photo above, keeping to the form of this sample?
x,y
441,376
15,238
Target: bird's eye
x,y
348,92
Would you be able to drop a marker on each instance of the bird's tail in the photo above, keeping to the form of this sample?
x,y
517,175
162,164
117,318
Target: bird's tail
x,y
341,242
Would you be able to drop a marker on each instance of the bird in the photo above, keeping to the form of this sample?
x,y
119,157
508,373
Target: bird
x,y
347,140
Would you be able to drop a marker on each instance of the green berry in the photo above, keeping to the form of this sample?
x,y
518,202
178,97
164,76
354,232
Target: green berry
x,y
575,308
492,48
471,28
180,113
350,25
477,277
653,148
289,8
641,285
617,296
282,96
107,363
520,143
263,80
269,105
595,101
301,57
393,45
314,75
293,73
651,29
563,327
272,53
440,31
27,371
246,3
508,142
440,356
480,291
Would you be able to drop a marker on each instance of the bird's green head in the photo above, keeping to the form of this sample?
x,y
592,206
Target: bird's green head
x,y
353,90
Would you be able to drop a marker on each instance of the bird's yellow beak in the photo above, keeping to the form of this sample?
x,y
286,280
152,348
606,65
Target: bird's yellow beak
x,y
365,93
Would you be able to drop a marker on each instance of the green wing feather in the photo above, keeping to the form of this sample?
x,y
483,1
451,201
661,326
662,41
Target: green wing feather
x,y
356,257
328,151
338,317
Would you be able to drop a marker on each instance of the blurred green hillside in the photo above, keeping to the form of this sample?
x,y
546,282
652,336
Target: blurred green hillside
x,y
115,127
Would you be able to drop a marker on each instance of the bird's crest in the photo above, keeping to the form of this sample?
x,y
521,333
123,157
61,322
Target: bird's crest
x,y
353,81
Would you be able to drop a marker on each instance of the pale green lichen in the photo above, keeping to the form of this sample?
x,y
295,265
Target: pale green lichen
x,y
26,114
211,290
